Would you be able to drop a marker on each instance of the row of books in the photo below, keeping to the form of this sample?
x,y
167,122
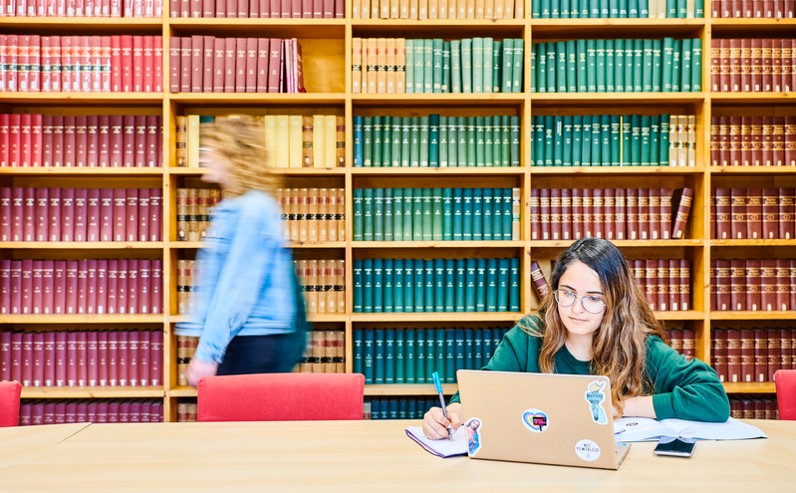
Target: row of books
x,y
753,140
436,285
683,341
112,358
325,352
81,141
613,140
754,407
632,9
80,214
752,65
767,284
53,63
469,65
752,354
295,141
753,9
209,64
323,281
617,65
193,206
436,214
397,356
263,9
611,213
753,213
67,287
397,407
436,141
50,412
437,9
313,214
81,8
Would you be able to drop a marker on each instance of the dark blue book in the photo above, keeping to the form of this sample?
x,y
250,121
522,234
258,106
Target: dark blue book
x,y
379,354
358,283
467,214
460,286
450,285
398,285
481,284
389,292
368,355
358,350
429,278
471,284
378,285
389,228
503,286
514,284
449,375
378,214
359,152
458,213
398,214
488,211
409,285
433,141
400,356
367,285
410,351
389,355
447,214
358,206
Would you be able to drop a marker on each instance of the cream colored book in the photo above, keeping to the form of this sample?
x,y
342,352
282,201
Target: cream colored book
x,y
479,9
192,141
270,141
356,65
282,141
442,9
395,6
422,9
400,65
403,9
356,9
414,5
433,9
381,65
295,137
470,9
318,142
489,9
307,148
329,141
323,215
691,140
390,66
312,215
302,210
371,60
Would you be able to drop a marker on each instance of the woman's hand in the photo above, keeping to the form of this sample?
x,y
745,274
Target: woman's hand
x,y
198,369
435,425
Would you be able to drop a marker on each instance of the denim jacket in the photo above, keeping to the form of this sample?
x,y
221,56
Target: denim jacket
x,y
243,280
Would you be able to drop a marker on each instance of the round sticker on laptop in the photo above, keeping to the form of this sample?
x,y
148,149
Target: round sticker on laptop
x,y
587,450
535,420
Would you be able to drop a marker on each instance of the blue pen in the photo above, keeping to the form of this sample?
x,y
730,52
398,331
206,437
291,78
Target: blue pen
x,y
438,388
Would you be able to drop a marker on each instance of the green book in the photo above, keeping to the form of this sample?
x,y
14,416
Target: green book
x,y
467,65
571,64
409,82
478,214
378,214
646,67
591,65
458,213
443,141
420,285
699,9
507,215
645,140
389,207
682,9
549,139
613,9
577,142
536,9
552,58
358,280
519,65
367,141
436,214
696,63
367,285
414,142
420,64
663,151
666,64
461,144
627,148
459,348
379,353
610,86
398,303
486,64
676,63
400,356
487,211
386,141
359,226
406,141
378,285
367,214
453,142
433,141
635,139
378,136
447,214
428,66
638,65
655,134
657,61
449,375
514,145
430,286
488,146
566,156
475,349
424,141
585,140
478,65
439,285
497,65
409,285
537,139
633,9
471,284
565,12
492,285
619,65
546,8
561,66
471,141
410,351
605,136
358,351
396,134
503,280
481,284
358,137
456,65
558,138
467,214
496,126
685,66
445,83
581,53
596,141
460,286
629,64
599,60
420,356
616,136
417,214
436,64
540,67
368,354
427,209
480,144
643,10
507,64
585,11
387,280
389,356
439,352
408,214
514,285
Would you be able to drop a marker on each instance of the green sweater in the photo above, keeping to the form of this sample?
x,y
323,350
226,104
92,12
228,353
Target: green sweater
x,y
682,389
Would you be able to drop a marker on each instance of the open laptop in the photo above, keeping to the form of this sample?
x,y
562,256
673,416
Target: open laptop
x,y
540,417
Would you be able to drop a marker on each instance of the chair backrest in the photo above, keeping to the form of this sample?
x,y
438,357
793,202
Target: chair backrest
x,y
9,403
785,383
281,397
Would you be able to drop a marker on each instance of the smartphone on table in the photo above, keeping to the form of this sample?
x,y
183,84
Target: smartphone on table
x,y
677,447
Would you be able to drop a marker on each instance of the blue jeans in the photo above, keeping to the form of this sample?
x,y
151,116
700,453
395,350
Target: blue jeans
x,y
262,354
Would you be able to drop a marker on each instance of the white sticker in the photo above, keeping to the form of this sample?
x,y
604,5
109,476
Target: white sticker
x,y
587,450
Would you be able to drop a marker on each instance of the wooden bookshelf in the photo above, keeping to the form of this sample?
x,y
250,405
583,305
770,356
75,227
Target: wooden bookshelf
x,y
327,46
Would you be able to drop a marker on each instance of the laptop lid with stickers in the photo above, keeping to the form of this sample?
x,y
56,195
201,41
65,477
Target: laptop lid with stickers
x,y
539,417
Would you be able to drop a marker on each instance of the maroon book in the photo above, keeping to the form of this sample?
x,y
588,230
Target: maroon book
x,y
587,212
80,214
92,141
275,65
139,141
92,358
719,351
208,55
753,284
93,214
123,357
113,283
102,359
82,286
48,358
153,142
47,286
102,287
240,64
722,285
651,282
783,285
219,55
773,352
631,214
5,290
144,337
26,364
263,55
734,356
81,366
59,287
71,286
113,358
787,213
768,284
28,214
534,215
131,215
229,64
250,65
723,218
175,68
544,213
5,356
155,201
116,141
91,286
598,212
133,368
132,289
140,231
128,141
122,286
196,74
71,359
566,214
119,214
37,284
144,286
760,359
41,215
769,213
540,284
156,358
81,142
747,355
37,360
555,214
155,287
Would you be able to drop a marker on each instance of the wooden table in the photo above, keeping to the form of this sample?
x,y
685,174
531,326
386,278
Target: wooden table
x,y
366,455
19,444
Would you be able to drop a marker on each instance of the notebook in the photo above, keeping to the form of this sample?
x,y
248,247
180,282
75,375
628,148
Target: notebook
x,y
540,417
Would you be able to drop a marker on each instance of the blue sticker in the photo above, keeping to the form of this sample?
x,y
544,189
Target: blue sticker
x,y
535,420
595,396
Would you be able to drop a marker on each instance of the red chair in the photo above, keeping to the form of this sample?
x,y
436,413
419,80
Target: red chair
x,y
9,403
785,382
281,397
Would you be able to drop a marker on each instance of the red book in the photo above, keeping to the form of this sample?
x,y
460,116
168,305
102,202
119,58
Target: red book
x,y
719,352
587,212
722,285
783,286
144,286
26,308
738,285
119,214
175,67
106,214
47,286
139,146
122,358
155,287
115,61
250,65
196,74
275,65
48,361
82,287
14,152
747,355
155,201
149,81
208,57
132,289
81,141
240,64
69,147
5,356
36,297
17,213
128,141
263,52
91,286
72,269
102,359
60,358
229,64
142,226
208,8
71,359
4,135
16,356
81,366
5,293
723,219
131,214
27,359
534,215
101,289
37,359
92,359
787,213
734,374
156,358
138,63
92,141
80,214
59,287
143,357
121,286
16,287
93,214
219,57
28,214
133,352
753,284
544,213
42,214
113,358
275,9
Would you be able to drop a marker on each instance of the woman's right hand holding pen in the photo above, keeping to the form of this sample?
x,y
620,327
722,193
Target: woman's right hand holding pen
x,y
435,425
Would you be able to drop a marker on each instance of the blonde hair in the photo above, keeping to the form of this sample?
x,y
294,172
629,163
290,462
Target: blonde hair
x,y
240,142
620,344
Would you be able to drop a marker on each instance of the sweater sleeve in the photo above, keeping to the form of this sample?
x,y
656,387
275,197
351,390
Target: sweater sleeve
x,y
684,389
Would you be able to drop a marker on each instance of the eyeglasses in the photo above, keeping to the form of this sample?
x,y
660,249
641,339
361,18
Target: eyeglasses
x,y
591,304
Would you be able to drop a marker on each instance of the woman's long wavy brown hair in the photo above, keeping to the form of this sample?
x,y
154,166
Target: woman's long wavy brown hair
x,y
240,141
619,345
